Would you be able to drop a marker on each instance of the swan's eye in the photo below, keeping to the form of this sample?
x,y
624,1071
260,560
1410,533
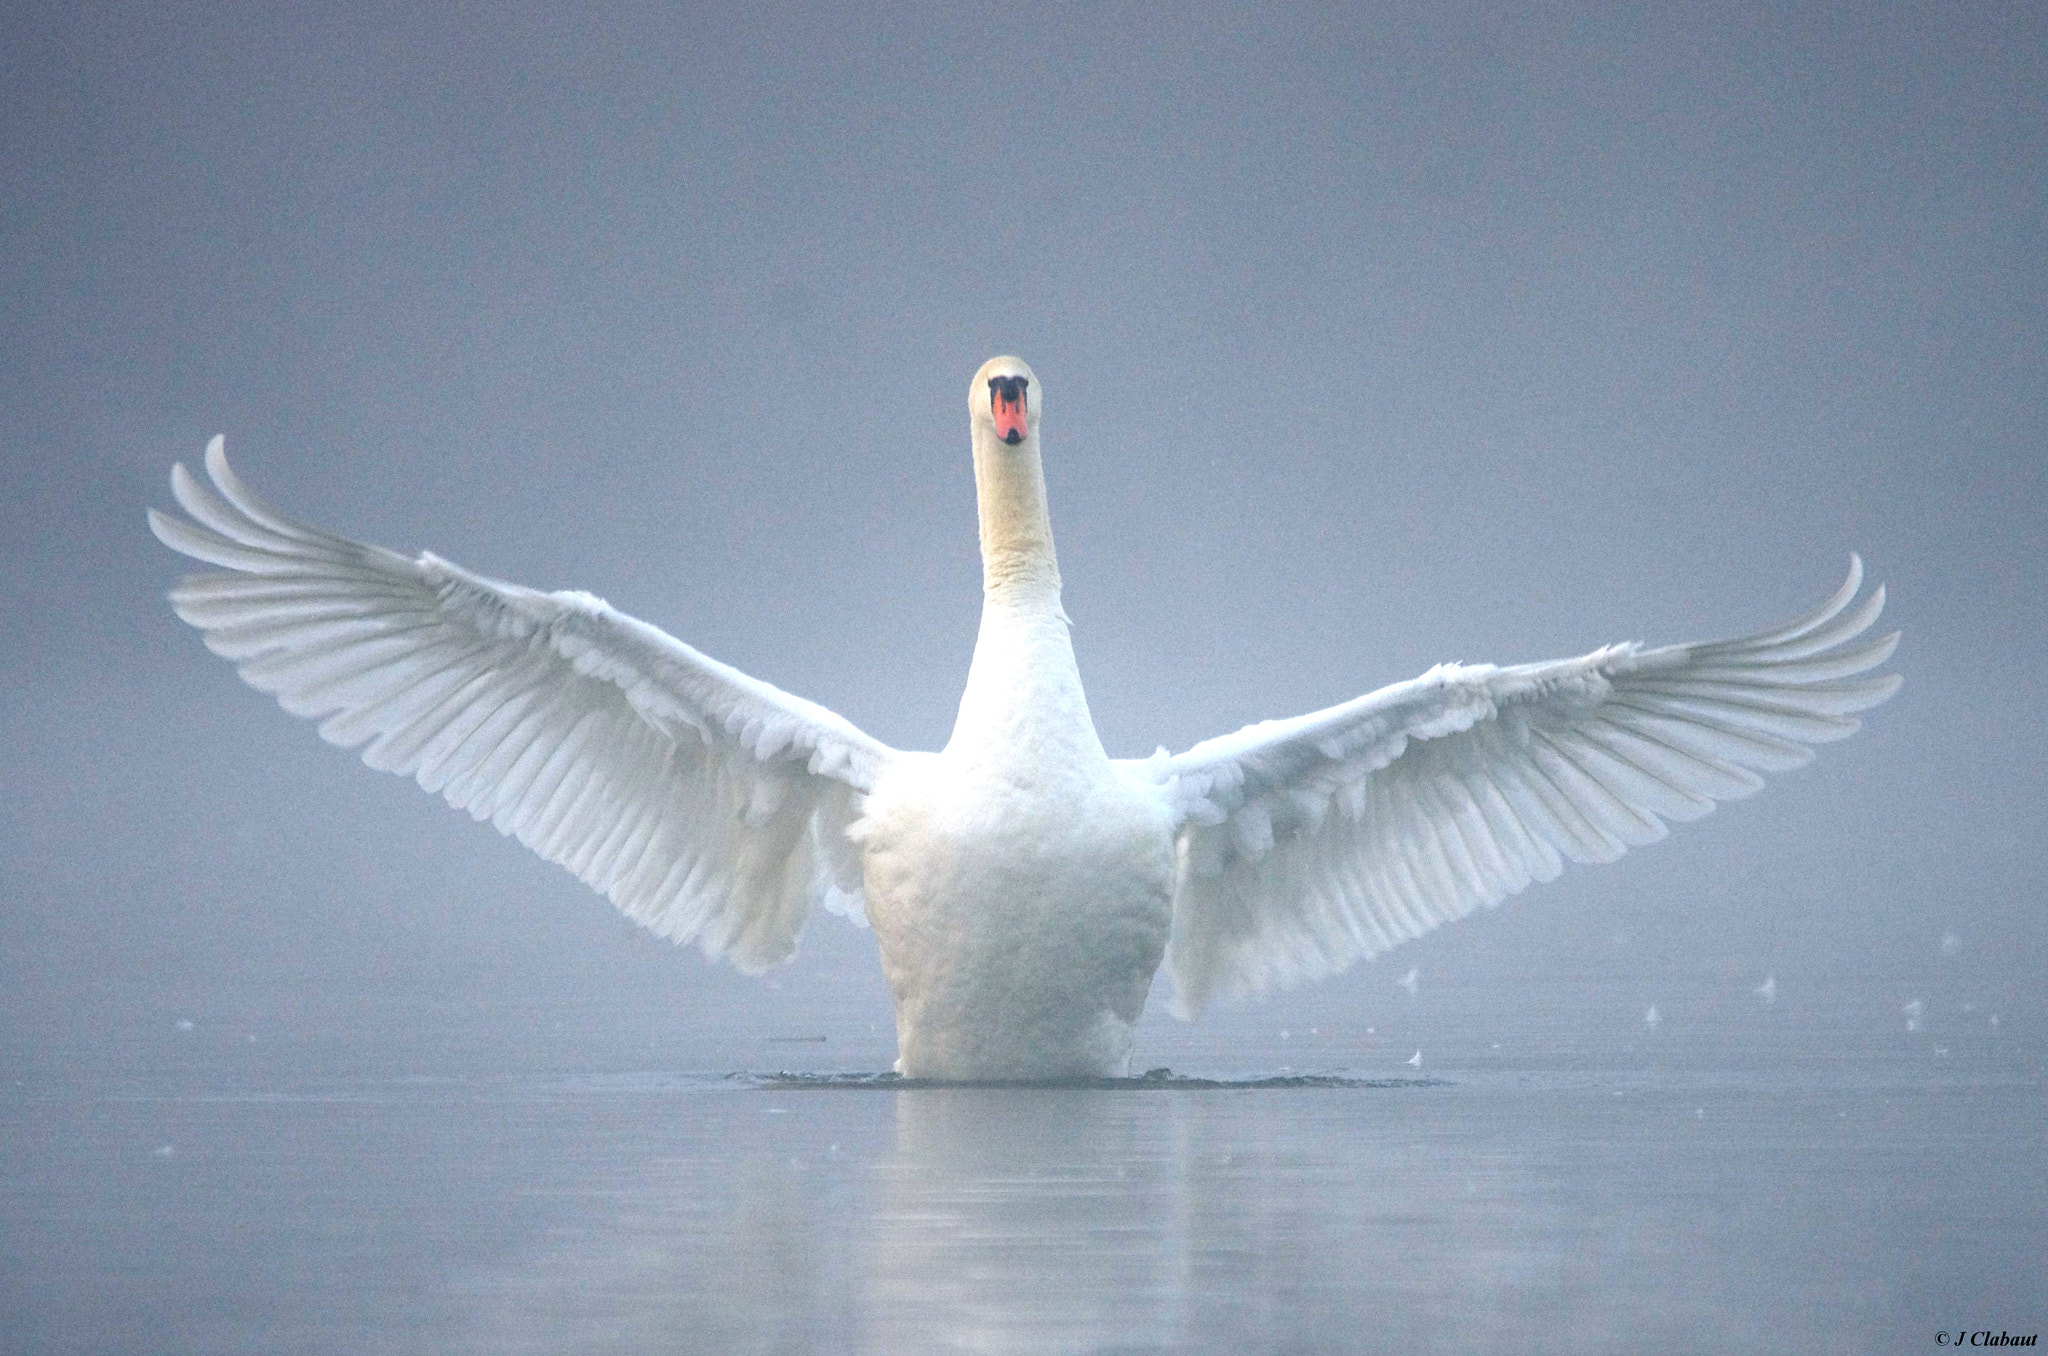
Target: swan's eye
x,y
1006,403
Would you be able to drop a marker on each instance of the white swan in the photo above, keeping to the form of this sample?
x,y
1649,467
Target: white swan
x,y
1023,886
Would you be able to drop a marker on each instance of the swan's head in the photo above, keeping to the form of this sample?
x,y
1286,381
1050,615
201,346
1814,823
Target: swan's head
x,y
1004,398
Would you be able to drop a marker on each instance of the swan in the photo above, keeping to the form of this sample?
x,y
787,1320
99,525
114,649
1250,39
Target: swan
x,y
1024,887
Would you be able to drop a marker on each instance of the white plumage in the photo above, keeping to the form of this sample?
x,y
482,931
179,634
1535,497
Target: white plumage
x,y
708,806
1023,886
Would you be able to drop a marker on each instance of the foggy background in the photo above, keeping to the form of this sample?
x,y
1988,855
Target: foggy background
x,y
1367,340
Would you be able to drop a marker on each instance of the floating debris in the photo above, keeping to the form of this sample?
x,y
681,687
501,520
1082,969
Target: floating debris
x,y
184,1024
1653,1018
1768,990
1913,1011
1412,980
1415,1060
1950,944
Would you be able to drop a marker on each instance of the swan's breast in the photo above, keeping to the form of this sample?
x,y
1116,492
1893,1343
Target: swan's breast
x,y
1013,903
998,842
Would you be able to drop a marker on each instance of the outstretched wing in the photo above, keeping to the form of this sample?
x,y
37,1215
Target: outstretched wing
x,y
707,805
1308,844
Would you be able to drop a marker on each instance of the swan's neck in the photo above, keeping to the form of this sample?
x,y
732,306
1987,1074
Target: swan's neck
x,y
1017,559
1023,701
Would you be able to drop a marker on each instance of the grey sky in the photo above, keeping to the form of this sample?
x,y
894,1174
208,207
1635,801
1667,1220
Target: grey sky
x,y
1368,340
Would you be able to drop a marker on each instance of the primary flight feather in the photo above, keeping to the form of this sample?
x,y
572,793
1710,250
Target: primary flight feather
x,y
1023,886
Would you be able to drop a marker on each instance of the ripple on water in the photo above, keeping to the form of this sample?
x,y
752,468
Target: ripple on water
x,y
1151,1080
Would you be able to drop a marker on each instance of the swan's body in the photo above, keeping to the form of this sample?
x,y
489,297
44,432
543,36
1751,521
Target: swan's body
x,y
1023,886
1020,883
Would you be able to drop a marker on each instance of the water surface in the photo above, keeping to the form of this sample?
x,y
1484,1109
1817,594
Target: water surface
x,y
1851,1206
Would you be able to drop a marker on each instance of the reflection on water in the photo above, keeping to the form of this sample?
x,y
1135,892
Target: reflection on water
x,y
1027,1220
1032,1220
1074,1221
1506,1213
733,1252
972,1219
1042,1220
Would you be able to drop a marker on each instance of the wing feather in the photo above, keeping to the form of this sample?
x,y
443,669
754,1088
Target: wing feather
x,y
1309,844
706,804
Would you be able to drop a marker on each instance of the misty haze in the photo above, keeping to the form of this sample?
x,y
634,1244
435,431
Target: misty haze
x,y
1369,342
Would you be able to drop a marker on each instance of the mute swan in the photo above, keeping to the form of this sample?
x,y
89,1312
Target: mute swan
x,y
1023,886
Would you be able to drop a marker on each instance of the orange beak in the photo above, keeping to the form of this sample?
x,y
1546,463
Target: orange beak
x,y
1006,403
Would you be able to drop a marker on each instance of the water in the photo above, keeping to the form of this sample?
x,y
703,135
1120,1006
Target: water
x,y
1624,1199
